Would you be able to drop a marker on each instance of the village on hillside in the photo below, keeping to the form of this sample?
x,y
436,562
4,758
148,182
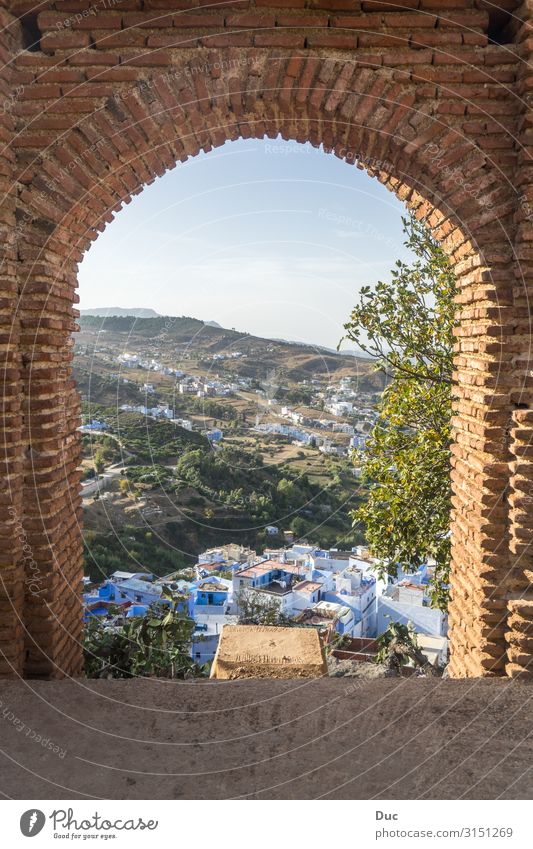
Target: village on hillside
x,y
336,593
210,426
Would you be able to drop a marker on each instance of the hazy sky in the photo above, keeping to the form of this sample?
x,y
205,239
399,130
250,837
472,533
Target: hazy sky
x,y
270,237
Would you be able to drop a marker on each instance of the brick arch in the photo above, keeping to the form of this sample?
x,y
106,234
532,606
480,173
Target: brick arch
x,y
91,129
366,117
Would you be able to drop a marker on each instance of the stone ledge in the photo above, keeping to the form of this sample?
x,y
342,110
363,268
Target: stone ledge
x,y
343,738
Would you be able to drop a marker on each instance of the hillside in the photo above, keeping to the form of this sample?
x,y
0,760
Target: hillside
x,y
214,435
162,336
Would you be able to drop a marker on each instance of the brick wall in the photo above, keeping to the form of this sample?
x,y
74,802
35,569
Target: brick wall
x,y
111,94
11,531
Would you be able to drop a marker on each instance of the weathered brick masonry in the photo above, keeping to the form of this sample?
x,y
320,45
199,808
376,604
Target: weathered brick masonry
x,y
432,97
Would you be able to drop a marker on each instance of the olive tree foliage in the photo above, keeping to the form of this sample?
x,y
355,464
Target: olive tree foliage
x,y
406,324
155,645
255,609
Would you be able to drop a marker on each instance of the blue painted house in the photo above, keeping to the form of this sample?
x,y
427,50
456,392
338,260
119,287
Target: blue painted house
x,y
211,591
137,591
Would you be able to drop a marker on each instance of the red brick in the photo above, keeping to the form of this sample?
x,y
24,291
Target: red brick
x,y
227,4
176,40
76,105
155,58
447,107
309,20
281,4
370,60
383,40
102,20
49,20
171,4
407,20
112,75
406,57
470,19
250,21
228,40
93,57
383,6
148,20
335,5
64,40
436,39
87,89
477,39
445,4
280,39
456,56
305,82
82,5
61,75
337,40
502,56
374,22
51,122
295,65
124,38
203,21
40,92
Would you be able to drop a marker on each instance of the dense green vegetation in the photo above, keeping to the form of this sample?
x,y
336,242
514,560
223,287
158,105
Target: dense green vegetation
x,y
131,549
221,495
207,407
157,645
238,480
155,440
407,324
208,495
147,439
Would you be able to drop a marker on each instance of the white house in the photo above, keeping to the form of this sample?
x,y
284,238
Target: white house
x,y
305,594
408,602
366,563
332,560
186,424
340,408
359,592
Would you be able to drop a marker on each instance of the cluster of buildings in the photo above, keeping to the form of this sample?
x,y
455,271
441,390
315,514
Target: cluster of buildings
x,y
136,361
334,592
289,431
320,431
187,384
233,355
324,443
93,425
160,411
202,388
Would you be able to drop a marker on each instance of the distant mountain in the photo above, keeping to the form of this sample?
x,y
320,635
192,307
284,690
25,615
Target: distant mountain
x,y
212,324
136,312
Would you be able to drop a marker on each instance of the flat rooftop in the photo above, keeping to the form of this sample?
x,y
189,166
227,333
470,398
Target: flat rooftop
x,y
307,586
274,587
257,569
212,587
